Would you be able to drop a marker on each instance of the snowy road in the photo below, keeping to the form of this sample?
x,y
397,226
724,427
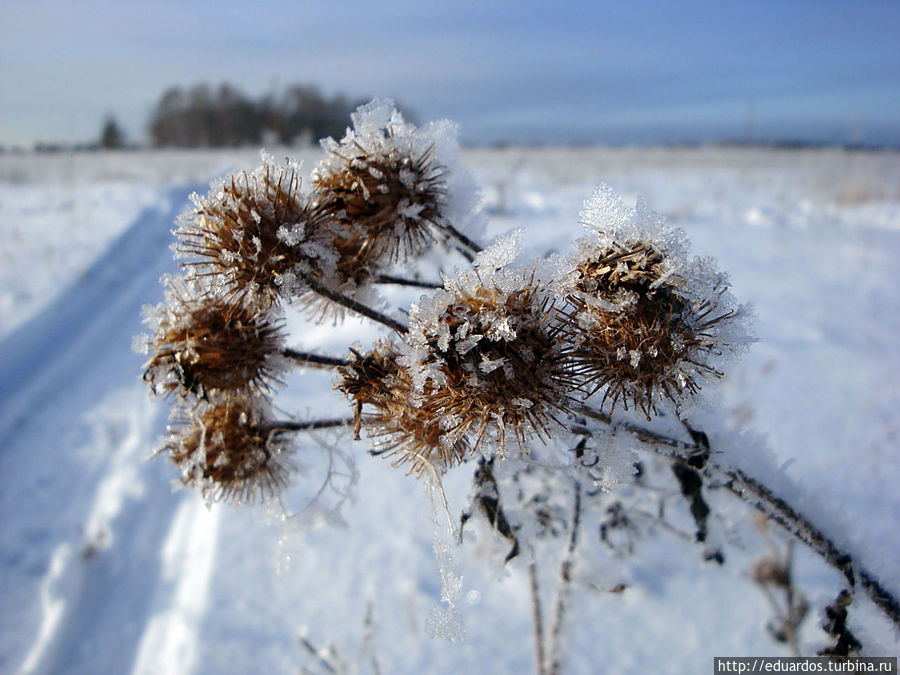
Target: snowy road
x,y
108,544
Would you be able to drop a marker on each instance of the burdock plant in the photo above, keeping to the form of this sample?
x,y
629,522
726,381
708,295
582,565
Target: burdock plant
x,y
488,353
400,428
256,236
647,322
385,184
228,448
206,344
494,363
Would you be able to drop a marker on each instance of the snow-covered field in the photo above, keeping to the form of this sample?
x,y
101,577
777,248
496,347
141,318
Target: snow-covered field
x,y
105,569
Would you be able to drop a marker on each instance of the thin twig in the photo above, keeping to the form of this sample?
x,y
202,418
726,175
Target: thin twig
x,y
401,281
354,306
311,425
319,658
537,621
565,584
694,454
767,502
314,360
791,599
368,644
465,253
461,238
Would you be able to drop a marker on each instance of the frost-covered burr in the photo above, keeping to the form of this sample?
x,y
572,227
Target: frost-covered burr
x,y
486,355
228,449
394,188
256,236
204,344
647,322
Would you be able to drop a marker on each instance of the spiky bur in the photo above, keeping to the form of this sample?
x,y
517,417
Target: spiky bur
x,y
203,344
227,448
487,353
646,321
256,235
403,431
392,187
389,196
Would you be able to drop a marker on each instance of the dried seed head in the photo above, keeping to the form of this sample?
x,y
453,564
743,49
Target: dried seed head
x,y
646,322
390,189
255,234
227,448
203,344
397,186
388,196
488,355
409,434
414,437
632,336
369,379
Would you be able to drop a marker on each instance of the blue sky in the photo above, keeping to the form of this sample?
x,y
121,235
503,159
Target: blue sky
x,y
519,71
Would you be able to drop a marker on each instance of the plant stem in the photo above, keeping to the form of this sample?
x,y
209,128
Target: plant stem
x,y
400,281
537,621
317,655
314,360
469,249
565,583
793,619
766,501
354,306
311,425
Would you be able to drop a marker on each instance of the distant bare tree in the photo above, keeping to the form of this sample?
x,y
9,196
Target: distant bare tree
x,y
111,135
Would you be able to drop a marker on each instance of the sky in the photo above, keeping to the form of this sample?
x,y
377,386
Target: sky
x,y
505,70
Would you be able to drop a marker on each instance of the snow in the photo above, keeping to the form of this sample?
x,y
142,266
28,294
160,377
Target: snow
x,y
104,567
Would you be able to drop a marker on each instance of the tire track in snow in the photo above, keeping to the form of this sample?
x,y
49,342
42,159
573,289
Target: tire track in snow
x,y
169,641
97,589
69,336
80,558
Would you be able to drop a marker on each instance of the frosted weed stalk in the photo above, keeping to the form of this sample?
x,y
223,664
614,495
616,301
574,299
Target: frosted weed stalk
x,y
496,364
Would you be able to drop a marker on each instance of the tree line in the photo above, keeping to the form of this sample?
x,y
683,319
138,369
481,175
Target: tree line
x,y
223,116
